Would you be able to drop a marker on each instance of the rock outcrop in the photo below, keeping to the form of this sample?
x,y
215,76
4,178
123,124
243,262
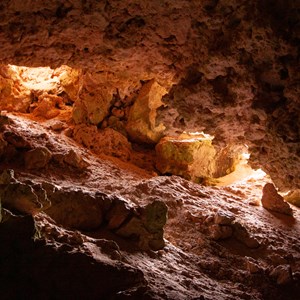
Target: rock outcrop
x,y
189,157
230,69
109,219
84,80
141,125
194,157
90,272
271,200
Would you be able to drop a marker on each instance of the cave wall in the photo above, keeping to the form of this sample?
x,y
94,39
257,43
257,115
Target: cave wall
x,y
231,67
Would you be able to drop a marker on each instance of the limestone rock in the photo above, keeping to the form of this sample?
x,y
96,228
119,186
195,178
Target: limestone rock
x,y
58,254
191,158
154,216
75,209
94,100
282,274
70,81
3,145
74,159
47,106
7,176
118,214
141,125
20,197
13,95
240,85
293,197
224,218
241,234
252,265
16,140
37,158
56,125
271,200
220,232
147,227
107,141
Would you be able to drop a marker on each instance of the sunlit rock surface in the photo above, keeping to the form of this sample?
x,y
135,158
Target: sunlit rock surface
x,y
192,158
141,125
92,200
293,197
234,64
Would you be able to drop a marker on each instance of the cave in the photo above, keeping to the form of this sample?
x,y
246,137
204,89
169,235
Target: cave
x,y
150,149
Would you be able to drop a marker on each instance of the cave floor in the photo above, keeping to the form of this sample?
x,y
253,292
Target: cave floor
x,y
259,260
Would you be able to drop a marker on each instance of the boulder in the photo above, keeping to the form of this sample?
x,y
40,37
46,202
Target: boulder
x,y
69,79
37,158
141,125
272,201
189,157
117,215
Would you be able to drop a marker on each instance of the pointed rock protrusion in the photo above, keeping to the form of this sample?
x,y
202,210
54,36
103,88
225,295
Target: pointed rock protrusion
x,y
271,200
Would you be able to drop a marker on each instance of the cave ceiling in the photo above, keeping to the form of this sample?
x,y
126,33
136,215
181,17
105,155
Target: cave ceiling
x,y
231,68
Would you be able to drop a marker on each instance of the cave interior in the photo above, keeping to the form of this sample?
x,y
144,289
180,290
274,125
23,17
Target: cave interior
x,y
150,149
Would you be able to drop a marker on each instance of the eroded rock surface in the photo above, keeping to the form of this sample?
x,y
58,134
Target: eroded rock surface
x,y
273,201
230,68
107,217
141,125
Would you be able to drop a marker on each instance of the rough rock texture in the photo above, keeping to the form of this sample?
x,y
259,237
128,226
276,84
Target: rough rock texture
x,y
107,141
94,100
195,158
71,208
293,197
90,272
37,158
192,158
39,90
231,67
90,229
271,200
141,125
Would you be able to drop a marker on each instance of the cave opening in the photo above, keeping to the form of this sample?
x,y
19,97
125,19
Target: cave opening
x,y
133,135
129,123
67,135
